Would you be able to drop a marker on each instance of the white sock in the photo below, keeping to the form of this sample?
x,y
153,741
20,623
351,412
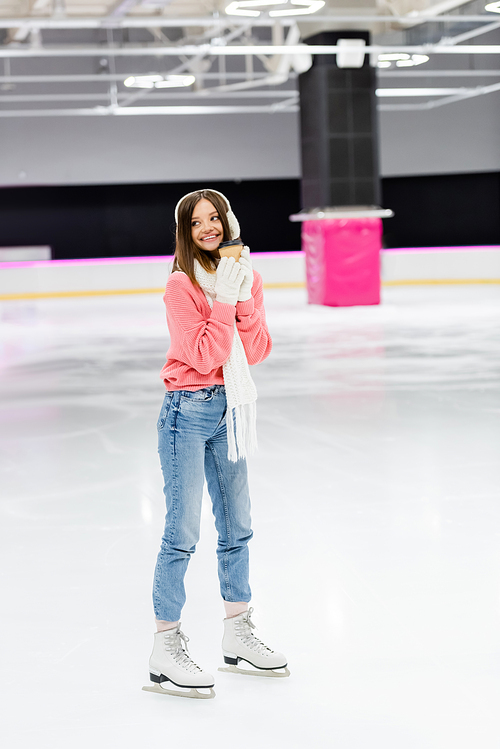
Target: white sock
x,y
234,609
164,626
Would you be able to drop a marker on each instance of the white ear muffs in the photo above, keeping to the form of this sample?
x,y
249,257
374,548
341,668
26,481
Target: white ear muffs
x,y
234,227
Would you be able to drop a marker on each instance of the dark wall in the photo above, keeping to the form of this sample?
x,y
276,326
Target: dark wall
x,y
443,210
126,220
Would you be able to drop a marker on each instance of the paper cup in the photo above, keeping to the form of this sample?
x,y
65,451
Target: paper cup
x,y
231,250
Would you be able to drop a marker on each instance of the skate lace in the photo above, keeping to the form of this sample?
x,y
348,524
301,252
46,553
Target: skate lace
x,y
243,630
175,641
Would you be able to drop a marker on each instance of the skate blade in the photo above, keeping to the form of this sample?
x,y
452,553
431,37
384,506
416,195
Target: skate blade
x,y
267,673
192,693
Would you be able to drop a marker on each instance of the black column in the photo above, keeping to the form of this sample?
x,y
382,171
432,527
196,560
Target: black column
x,y
338,130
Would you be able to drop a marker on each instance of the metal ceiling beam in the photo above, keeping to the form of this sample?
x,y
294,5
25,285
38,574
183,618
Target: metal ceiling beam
x,y
239,51
121,8
289,105
140,111
288,96
423,73
151,94
468,94
98,77
171,22
480,31
192,64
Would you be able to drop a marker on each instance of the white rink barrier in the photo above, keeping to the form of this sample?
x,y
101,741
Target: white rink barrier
x,y
136,275
441,265
140,275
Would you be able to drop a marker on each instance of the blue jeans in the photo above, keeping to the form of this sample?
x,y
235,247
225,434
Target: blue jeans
x,y
192,444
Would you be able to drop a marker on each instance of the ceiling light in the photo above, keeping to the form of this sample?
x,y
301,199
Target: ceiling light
x,y
493,7
234,10
142,81
159,81
394,56
249,7
175,81
240,7
310,6
401,59
418,91
419,59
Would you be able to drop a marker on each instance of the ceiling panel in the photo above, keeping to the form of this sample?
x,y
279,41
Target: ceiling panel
x,y
74,58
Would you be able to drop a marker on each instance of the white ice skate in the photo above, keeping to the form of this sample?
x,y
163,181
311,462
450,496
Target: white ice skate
x,y
240,644
170,662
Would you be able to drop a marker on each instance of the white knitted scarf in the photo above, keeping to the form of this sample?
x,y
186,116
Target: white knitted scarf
x,y
241,392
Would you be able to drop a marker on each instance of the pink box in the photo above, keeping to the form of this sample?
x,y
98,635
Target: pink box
x,y
343,260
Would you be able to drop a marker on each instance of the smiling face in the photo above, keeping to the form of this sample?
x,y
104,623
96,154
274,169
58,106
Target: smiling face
x,y
206,227
200,217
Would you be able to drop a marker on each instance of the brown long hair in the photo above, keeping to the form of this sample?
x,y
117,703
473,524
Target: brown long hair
x,y
186,252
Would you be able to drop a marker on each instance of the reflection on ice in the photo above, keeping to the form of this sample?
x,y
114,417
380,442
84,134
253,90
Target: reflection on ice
x,y
376,515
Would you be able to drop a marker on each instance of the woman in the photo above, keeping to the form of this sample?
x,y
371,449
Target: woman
x,y
206,428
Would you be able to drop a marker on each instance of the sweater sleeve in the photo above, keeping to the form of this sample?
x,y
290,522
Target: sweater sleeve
x,y
205,343
252,326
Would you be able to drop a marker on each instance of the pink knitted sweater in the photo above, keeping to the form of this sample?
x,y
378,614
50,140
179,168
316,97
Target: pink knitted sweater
x,y
201,338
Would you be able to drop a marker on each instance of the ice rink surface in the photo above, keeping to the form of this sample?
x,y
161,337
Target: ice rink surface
x,y
376,508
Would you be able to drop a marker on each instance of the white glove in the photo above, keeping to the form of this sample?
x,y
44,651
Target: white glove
x,y
246,286
230,275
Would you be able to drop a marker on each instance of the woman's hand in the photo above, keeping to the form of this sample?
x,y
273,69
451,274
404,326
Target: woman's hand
x,y
247,283
230,275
